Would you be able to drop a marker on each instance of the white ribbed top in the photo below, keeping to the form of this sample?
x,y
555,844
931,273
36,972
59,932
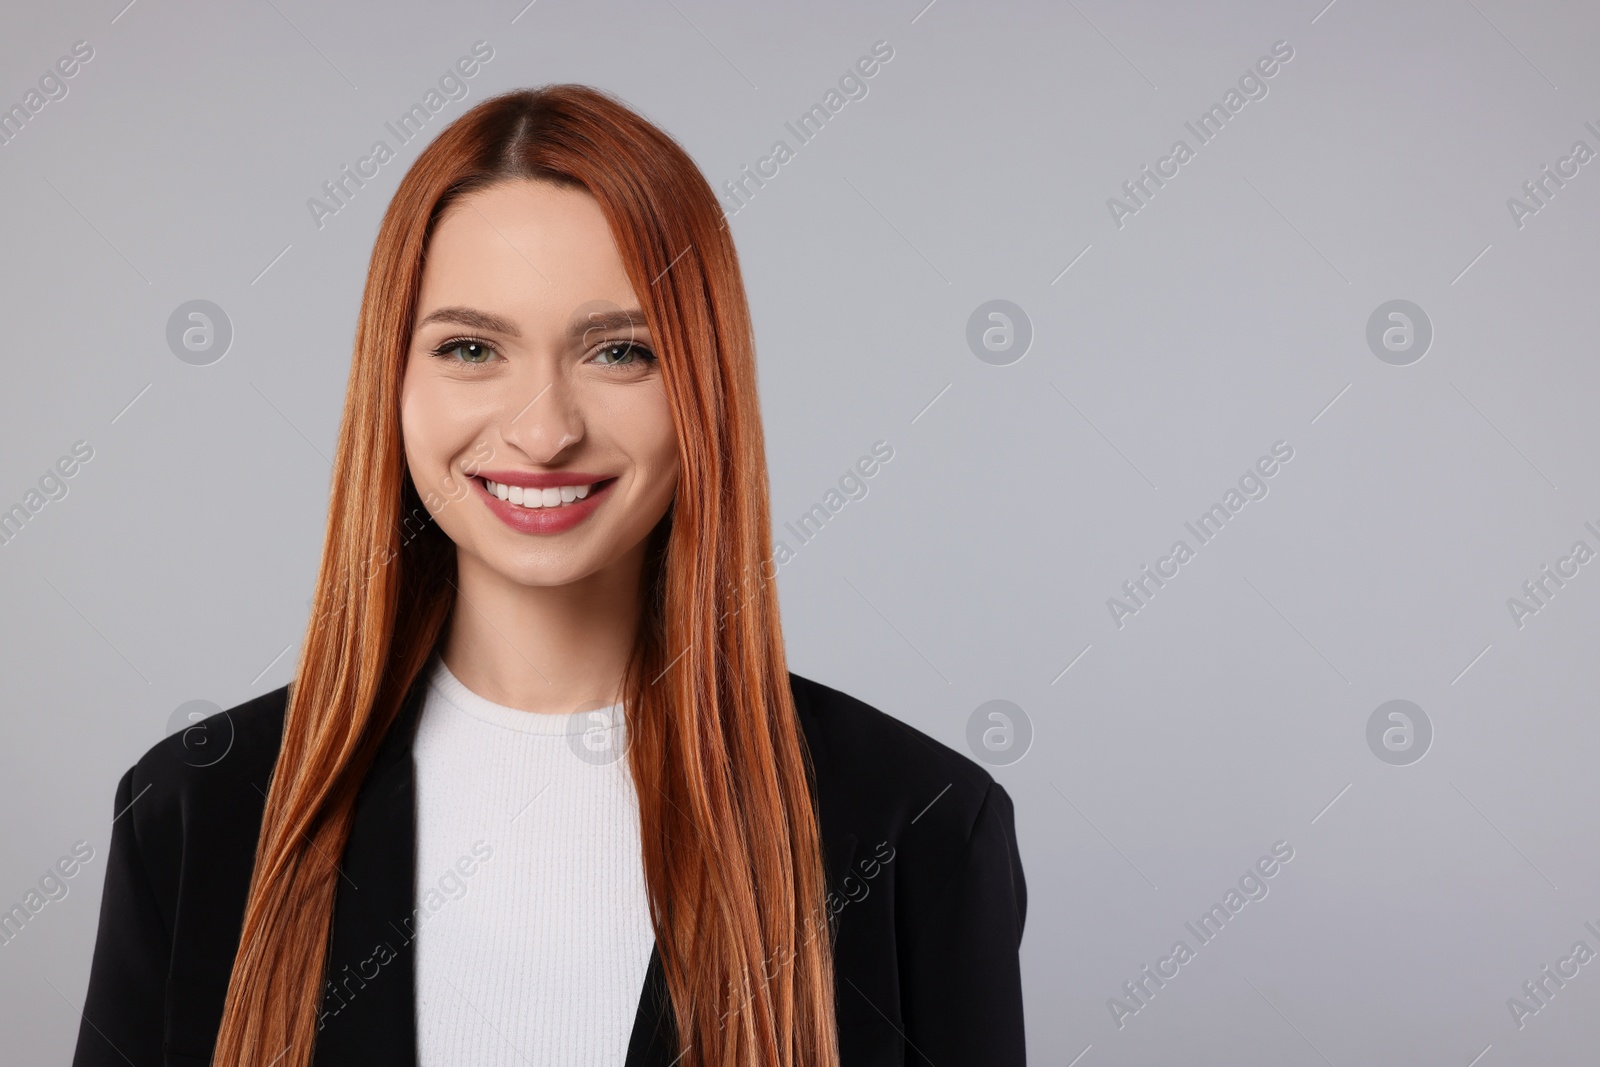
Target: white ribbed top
x,y
533,924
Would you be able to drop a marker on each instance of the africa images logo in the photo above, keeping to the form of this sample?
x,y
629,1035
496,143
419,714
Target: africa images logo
x,y
1251,886
1252,85
1252,485
452,86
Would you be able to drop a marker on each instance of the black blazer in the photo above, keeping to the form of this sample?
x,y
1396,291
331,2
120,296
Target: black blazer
x,y
918,844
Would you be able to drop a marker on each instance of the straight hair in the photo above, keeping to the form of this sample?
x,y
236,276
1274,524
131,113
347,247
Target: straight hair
x,y
730,842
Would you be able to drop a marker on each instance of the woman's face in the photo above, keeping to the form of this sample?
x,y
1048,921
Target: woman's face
x,y
536,427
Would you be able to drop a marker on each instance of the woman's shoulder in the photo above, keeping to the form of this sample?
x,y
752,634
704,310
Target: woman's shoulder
x,y
925,886
237,741
879,776
855,736
213,772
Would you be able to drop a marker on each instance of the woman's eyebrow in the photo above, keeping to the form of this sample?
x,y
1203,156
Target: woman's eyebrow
x,y
473,318
631,318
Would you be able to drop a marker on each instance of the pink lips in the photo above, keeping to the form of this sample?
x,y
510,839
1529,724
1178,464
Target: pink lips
x,y
544,520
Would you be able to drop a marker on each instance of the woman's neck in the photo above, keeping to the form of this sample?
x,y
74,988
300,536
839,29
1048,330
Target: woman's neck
x,y
548,649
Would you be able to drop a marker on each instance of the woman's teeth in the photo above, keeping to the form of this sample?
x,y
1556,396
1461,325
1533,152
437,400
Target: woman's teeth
x,y
537,498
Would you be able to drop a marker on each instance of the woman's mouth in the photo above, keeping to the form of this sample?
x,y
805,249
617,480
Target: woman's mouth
x,y
538,499
544,509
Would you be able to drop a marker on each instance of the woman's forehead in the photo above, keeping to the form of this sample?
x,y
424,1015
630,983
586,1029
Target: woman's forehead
x,y
531,254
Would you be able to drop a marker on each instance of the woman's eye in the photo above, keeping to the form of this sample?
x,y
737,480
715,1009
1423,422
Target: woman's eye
x,y
623,354
464,351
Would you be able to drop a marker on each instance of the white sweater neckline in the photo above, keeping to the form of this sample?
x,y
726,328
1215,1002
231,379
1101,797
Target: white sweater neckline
x,y
455,692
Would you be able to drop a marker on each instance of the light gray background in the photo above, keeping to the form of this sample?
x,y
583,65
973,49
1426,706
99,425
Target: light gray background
x,y
1226,315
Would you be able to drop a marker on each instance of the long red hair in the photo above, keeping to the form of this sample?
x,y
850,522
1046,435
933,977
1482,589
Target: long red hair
x,y
730,843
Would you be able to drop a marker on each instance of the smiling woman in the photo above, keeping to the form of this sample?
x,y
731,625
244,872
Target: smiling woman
x,y
529,336
567,664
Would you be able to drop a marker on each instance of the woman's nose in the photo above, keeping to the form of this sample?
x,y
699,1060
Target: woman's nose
x,y
543,419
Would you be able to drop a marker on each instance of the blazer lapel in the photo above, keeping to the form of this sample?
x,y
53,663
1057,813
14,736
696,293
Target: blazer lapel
x,y
369,1003
839,856
655,1029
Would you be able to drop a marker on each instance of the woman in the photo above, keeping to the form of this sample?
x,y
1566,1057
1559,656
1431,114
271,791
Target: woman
x,y
542,789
